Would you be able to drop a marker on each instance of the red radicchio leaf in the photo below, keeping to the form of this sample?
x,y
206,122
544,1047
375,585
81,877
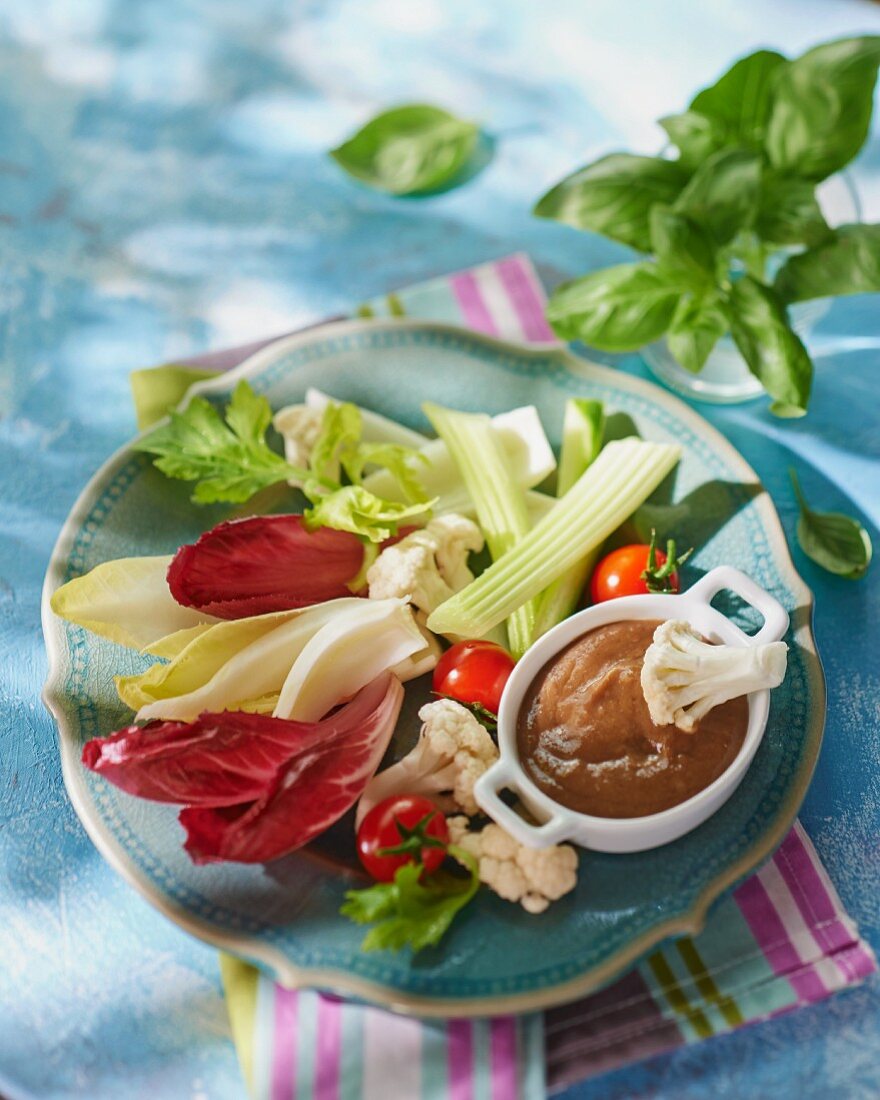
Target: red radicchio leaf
x,y
264,563
310,793
218,760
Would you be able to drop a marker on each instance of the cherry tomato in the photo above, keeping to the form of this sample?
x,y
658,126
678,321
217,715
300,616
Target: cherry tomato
x,y
474,672
620,574
401,820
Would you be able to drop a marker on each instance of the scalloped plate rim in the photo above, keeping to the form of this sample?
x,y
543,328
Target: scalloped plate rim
x,y
690,921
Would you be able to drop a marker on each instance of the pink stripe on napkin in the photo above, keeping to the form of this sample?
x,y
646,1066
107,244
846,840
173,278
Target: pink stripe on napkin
x,y
473,306
284,1053
517,277
798,868
771,936
504,1064
460,1060
328,1052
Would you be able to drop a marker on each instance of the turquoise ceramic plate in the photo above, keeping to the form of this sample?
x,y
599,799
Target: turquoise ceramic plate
x,y
497,957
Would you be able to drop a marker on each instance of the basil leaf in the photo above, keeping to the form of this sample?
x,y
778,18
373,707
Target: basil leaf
x,y
788,212
723,193
822,107
614,195
696,328
732,111
408,149
848,263
740,101
696,136
683,249
834,541
767,342
616,309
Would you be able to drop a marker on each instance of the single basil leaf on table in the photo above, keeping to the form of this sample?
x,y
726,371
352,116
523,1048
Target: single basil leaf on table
x,y
618,309
614,195
788,212
409,149
698,325
773,351
683,249
722,195
822,106
836,542
847,263
231,460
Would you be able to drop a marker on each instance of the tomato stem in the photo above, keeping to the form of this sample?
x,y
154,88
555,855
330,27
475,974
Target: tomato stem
x,y
413,838
658,578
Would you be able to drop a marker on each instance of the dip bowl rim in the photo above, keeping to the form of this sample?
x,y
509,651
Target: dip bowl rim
x,y
558,823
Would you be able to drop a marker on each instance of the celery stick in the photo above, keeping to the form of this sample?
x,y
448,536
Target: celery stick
x,y
581,442
582,431
499,501
622,477
527,453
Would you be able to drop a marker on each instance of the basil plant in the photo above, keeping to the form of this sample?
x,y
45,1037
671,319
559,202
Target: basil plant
x,y
750,151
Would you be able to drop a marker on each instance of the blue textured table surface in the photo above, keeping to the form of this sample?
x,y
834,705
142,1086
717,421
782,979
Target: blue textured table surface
x,y
163,190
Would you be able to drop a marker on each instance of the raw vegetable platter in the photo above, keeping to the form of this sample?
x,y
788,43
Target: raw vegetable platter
x,y
284,915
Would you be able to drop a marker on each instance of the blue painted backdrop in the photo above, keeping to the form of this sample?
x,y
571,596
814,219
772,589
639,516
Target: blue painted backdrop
x,y
163,190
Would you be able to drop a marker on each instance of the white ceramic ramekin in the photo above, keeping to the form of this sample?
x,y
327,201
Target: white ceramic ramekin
x,y
632,834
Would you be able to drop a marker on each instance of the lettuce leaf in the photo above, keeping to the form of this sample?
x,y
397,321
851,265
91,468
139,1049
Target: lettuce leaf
x,y
354,508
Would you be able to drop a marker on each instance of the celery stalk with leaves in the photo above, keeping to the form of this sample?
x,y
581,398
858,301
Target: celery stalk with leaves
x,y
499,501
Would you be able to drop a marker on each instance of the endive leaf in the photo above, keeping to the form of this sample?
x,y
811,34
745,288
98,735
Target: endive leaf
x,y
127,601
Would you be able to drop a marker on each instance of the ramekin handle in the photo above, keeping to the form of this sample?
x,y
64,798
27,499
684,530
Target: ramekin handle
x,y
726,577
486,792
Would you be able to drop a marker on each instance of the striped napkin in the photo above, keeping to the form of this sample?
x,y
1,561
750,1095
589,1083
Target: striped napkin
x,y
782,939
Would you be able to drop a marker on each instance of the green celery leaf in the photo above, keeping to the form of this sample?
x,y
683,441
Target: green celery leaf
x,y
399,461
788,212
847,263
722,195
230,461
698,325
414,910
822,106
741,100
834,541
695,135
684,249
340,430
617,309
614,195
409,149
767,342
354,508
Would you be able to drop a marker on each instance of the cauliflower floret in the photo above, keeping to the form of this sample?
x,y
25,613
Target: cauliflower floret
x,y
429,565
300,426
532,876
684,677
452,752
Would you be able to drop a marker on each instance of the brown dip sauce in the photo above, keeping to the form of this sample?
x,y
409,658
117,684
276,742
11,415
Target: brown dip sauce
x,y
585,736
